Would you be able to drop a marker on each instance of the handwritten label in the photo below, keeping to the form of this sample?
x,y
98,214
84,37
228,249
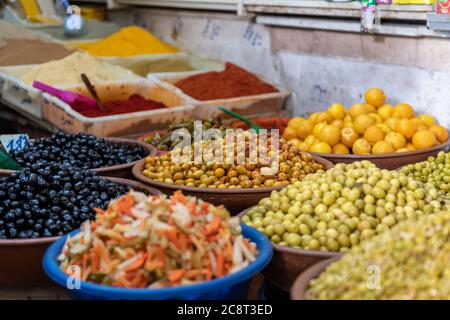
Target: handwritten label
x,y
253,36
14,142
211,30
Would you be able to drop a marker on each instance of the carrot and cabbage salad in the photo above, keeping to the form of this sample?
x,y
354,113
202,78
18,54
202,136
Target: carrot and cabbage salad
x,y
154,241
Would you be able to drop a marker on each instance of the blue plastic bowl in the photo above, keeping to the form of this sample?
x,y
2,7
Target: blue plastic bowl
x,y
234,286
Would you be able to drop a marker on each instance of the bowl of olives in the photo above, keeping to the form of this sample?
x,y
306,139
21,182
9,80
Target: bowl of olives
x,y
42,203
107,156
327,213
238,187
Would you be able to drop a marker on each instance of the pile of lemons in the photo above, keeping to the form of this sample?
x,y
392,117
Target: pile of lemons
x,y
373,127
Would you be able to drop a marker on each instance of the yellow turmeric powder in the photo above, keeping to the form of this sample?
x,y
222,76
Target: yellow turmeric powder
x,y
128,41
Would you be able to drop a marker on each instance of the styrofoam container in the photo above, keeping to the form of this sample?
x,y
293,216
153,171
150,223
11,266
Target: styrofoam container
x,y
179,108
269,103
18,93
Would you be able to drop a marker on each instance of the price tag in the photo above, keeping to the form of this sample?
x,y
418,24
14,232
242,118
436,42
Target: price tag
x,y
14,142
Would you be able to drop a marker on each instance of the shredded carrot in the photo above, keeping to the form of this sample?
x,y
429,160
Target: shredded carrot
x,y
125,204
176,275
164,253
138,263
220,264
213,226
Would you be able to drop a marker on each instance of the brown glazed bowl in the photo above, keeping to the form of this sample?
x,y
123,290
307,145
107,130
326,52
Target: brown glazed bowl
x,y
20,259
120,170
287,263
389,161
235,200
300,286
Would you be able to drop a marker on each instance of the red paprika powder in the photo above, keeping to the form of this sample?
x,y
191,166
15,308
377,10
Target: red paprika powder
x,y
135,103
229,83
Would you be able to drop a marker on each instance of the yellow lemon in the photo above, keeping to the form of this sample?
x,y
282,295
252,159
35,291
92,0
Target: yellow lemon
x,y
361,146
373,134
395,139
320,147
427,119
403,110
440,132
385,111
313,117
317,127
406,127
304,128
384,127
424,139
348,137
376,117
340,149
338,123
324,117
370,108
392,122
362,122
382,147
356,110
294,122
302,146
329,134
337,111
375,97
289,133
311,139
403,150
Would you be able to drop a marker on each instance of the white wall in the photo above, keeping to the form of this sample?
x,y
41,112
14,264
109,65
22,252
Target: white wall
x,y
319,67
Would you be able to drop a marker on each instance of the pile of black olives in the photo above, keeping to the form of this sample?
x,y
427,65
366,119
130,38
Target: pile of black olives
x,y
51,199
81,150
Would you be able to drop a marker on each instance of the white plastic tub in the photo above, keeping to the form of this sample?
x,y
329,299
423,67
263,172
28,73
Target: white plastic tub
x,y
19,94
25,97
268,103
179,108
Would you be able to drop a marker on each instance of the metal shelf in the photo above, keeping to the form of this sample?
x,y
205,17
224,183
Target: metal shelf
x,y
335,9
220,5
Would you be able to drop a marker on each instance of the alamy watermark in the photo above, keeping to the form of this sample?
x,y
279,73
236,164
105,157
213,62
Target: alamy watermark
x,y
232,147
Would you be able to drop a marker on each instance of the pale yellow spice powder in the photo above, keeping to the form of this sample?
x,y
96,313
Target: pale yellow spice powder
x,y
67,71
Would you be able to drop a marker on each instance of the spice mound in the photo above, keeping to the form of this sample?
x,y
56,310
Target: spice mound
x,y
411,260
153,241
135,103
67,71
143,68
128,41
229,83
48,200
81,150
31,51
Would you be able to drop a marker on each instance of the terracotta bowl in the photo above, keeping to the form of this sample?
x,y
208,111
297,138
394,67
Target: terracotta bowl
x,y
287,263
20,260
120,170
388,160
298,289
235,200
